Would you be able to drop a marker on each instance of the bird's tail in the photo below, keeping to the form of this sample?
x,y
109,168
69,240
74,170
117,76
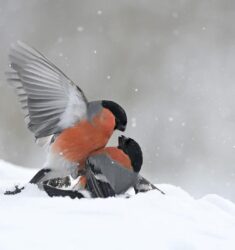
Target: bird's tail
x,y
143,185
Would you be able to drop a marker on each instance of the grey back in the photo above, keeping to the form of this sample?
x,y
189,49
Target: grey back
x,y
118,177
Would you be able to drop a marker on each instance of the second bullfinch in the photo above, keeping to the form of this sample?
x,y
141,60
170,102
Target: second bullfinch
x,y
110,171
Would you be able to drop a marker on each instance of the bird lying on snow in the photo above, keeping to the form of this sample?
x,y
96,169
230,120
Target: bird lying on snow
x,y
109,172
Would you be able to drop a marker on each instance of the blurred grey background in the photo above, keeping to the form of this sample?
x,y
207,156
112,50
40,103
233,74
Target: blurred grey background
x,y
170,64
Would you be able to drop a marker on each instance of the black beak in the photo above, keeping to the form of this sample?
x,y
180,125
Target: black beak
x,y
122,128
122,140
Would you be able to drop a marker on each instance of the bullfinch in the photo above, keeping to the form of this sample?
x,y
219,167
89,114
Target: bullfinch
x,y
58,113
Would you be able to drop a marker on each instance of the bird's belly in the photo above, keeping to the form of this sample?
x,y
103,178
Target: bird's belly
x,y
76,143
60,166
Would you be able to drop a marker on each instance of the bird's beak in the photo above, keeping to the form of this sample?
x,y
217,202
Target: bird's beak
x,y
122,128
121,140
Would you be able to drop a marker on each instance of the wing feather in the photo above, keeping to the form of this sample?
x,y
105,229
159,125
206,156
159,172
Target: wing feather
x,y
49,99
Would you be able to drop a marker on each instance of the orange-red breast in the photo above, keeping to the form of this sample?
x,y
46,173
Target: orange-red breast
x,y
58,113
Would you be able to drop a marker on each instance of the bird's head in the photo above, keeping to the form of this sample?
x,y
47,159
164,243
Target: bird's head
x,y
133,150
118,112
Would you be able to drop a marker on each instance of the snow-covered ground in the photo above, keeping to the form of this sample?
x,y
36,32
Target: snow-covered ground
x,y
176,221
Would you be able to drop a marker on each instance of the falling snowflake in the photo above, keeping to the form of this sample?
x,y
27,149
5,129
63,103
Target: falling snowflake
x,y
80,29
170,119
133,122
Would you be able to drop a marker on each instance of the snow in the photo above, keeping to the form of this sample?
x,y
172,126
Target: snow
x,y
133,122
80,28
176,221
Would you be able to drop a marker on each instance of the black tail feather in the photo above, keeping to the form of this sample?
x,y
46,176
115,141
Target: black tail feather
x,y
143,185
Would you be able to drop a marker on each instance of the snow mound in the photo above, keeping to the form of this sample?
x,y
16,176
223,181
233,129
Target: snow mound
x,y
176,221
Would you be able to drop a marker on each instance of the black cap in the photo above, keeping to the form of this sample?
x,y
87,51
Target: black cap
x,y
133,150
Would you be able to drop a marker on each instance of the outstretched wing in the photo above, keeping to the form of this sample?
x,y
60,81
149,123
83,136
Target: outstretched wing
x,y
50,100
